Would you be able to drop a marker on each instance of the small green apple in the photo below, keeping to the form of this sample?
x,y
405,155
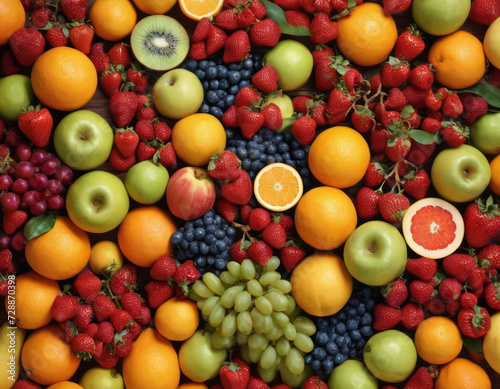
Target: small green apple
x,y
178,93
375,253
491,43
284,103
16,93
485,133
460,174
146,181
390,355
293,61
97,201
83,140
440,17
352,374
98,377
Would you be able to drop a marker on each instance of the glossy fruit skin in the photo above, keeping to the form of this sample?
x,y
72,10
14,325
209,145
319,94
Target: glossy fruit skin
x,y
146,182
440,17
490,42
154,7
462,373
13,18
13,364
485,133
16,94
494,184
451,165
101,378
113,20
490,343
351,374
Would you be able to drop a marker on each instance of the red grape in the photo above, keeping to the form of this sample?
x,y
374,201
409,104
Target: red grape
x,y
64,174
4,242
23,152
38,208
50,166
55,202
31,197
39,157
24,169
17,241
19,186
38,182
5,181
11,201
55,186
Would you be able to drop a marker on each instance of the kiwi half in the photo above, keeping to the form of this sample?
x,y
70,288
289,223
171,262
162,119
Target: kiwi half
x,y
159,42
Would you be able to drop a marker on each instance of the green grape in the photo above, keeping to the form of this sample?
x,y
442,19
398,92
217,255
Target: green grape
x,y
221,342
265,325
254,355
200,303
247,270
209,305
257,342
205,318
296,312
280,319
193,296
291,305
233,268
305,325
284,286
277,299
217,315
227,278
290,332
294,361
255,288
201,289
244,350
282,346
213,283
243,301
273,263
267,375
269,278
275,333
229,296
228,325
303,342
264,305
244,322
241,339
268,357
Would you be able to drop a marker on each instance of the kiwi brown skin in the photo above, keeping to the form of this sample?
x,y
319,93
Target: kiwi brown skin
x,y
159,42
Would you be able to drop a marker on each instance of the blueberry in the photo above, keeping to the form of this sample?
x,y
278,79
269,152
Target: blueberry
x,y
223,84
220,263
352,324
184,244
366,331
234,90
246,163
342,316
210,260
244,83
221,94
286,156
282,147
211,73
221,105
366,319
199,233
211,63
248,64
299,154
353,302
200,262
327,366
189,235
361,309
241,152
191,65
205,108
194,248
233,66
261,147
263,157
341,328
308,359
370,303
332,348
351,311
257,138
246,74
253,154
360,344
271,149
218,219
230,232
205,84
278,158
213,84
204,248
321,338
216,111
255,165
200,74
209,239
221,71
334,320
203,64
304,172
295,144
319,353
176,238
341,341
316,365
345,349
181,255
321,324
270,159
340,358
352,353
355,335
234,77
229,100
211,97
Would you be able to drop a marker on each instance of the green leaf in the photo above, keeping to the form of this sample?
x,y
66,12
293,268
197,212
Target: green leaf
x,y
276,13
39,225
490,92
422,137
475,345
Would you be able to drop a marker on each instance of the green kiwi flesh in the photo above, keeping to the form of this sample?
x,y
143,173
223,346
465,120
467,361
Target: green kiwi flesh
x,y
159,42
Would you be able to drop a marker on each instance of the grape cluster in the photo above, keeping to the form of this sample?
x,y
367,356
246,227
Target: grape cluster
x,y
251,306
206,241
221,81
266,147
343,335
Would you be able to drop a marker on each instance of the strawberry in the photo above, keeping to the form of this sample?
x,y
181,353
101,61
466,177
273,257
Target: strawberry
x,y
414,96
118,162
450,288
227,20
421,291
246,96
83,317
484,12
26,384
168,158
410,116
258,219
417,184
301,103
411,316
99,58
274,235
491,253
226,209
314,382
105,332
135,329
186,273
297,18
13,220
265,33
131,302
257,383
337,106
163,132
64,307
474,322
435,305
323,29
476,278
352,78
385,317
245,211
431,125
234,374
366,203
467,300
123,280
249,121
119,55
201,30
395,293
398,147
291,255
273,118
106,359
144,130
58,36
392,206
374,175
146,150
452,106
238,250
318,113
379,138
236,47
266,79
83,343
110,80
325,74
158,292
259,251
103,307
304,130
215,40
423,268
395,6
36,123
224,166
120,318
492,295
126,141
421,77
163,269
144,317
27,44
394,73
474,105
87,285
123,106
409,44
80,36
422,378
482,222
452,307
73,9
198,51
432,101
396,100
258,9
123,346
5,259
420,153
8,64
138,77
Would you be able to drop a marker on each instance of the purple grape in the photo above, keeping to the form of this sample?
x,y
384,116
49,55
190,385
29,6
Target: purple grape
x,y
38,208
50,166
5,182
11,201
23,152
55,202
64,174
19,186
31,197
25,169
38,182
39,157
5,242
17,241
55,186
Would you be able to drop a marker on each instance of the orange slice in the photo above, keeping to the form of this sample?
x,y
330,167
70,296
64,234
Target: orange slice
x,y
198,9
278,187
433,228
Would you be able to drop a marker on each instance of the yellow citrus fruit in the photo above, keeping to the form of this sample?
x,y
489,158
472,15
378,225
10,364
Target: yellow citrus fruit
x,y
186,320
113,20
196,10
438,340
144,235
192,385
197,137
13,17
462,373
105,257
47,358
325,217
60,253
367,35
339,157
153,363
64,78
490,343
278,187
495,175
155,7
321,284
491,43
65,385
459,60
34,295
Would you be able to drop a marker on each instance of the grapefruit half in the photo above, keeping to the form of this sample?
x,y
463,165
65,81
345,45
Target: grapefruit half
x,y
433,228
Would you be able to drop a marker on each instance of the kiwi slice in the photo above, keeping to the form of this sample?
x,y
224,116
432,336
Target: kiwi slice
x,y
159,42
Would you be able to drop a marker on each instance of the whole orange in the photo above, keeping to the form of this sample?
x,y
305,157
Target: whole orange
x,y
339,157
367,35
186,320
321,284
65,385
13,17
64,78
113,20
325,217
154,7
60,253
495,175
144,235
34,295
462,373
47,358
459,60
192,385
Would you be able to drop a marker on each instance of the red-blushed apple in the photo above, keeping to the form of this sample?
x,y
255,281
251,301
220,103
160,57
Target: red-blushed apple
x,y
190,193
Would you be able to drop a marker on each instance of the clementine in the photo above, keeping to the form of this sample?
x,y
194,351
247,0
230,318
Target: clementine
x,y
462,373
13,17
186,320
65,385
495,175
113,20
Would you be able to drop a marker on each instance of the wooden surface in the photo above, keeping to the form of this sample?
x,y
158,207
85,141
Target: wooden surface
x,y
99,104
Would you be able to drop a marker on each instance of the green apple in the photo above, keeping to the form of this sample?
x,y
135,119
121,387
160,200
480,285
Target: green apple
x,y
146,182
83,140
97,201
440,17
178,93
390,356
352,374
98,377
293,61
485,133
491,43
460,174
375,253
16,93
284,103
198,359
